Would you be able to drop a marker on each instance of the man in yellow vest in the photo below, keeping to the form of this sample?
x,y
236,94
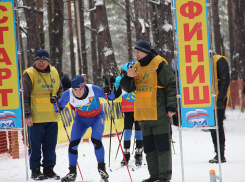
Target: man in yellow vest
x,y
155,102
42,88
222,83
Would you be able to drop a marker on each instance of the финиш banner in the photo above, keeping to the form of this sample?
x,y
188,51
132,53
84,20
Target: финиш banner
x,y
195,83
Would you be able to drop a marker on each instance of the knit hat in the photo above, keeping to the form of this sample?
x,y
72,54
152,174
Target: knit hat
x,y
77,82
143,46
42,54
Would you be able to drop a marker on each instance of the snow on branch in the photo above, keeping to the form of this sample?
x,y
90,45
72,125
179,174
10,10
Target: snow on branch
x,y
99,3
101,28
166,27
92,9
107,51
143,24
156,2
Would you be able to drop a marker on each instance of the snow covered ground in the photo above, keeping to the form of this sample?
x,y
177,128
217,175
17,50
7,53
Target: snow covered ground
x,y
197,150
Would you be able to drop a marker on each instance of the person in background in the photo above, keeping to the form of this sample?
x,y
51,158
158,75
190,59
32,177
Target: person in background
x,y
222,83
128,110
84,100
155,102
66,82
42,88
112,81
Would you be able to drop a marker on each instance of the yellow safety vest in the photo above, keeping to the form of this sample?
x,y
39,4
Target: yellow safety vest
x,y
216,57
41,107
145,104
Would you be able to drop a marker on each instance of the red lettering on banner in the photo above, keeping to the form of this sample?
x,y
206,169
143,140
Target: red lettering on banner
x,y
196,99
1,33
5,58
198,52
7,75
196,29
191,77
4,94
4,18
192,6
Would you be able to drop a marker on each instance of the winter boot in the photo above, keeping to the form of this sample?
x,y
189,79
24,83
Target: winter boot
x,y
151,180
36,174
71,176
216,160
222,153
163,180
48,172
104,175
127,157
138,156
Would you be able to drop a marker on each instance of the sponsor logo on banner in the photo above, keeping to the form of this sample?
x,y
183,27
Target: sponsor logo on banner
x,y
7,119
196,117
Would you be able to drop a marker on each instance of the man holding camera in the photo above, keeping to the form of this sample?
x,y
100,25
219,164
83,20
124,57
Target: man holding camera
x,y
42,88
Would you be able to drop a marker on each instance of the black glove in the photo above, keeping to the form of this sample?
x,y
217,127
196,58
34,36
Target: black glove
x,y
220,104
53,99
106,90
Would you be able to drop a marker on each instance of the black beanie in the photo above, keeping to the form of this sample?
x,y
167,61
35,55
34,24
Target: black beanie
x,y
143,46
42,54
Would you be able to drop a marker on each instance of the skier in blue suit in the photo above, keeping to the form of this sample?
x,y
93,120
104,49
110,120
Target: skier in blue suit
x,y
84,100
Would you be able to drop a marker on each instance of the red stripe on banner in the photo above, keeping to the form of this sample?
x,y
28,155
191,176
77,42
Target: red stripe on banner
x,y
11,116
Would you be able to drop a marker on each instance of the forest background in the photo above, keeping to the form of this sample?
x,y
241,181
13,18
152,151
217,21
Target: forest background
x,y
94,37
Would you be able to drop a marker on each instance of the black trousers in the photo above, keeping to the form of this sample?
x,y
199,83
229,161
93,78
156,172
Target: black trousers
x,y
220,115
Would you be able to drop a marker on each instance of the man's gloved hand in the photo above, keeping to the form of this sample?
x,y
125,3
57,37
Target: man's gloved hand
x,y
220,104
54,99
106,89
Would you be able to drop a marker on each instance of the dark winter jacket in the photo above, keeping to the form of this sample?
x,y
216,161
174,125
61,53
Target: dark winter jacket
x,y
166,97
224,78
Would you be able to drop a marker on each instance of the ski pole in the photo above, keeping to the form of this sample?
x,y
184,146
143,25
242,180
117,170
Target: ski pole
x,y
63,122
173,144
110,144
118,135
119,145
134,143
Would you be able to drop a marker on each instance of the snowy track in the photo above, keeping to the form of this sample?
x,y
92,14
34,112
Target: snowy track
x,y
197,150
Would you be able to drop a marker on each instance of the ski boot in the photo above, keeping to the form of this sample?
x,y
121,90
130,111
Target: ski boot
x,y
71,176
138,156
127,157
104,175
48,172
36,174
